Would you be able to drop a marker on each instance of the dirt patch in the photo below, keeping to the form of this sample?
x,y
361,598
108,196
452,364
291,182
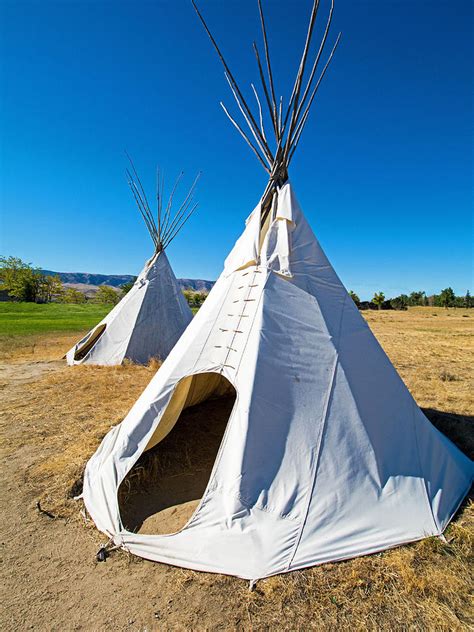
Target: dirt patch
x,y
24,372
53,418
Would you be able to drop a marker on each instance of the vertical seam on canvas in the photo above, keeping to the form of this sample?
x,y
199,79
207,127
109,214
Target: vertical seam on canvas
x,y
320,441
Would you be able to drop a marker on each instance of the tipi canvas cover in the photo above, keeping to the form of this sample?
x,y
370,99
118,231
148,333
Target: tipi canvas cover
x,y
326,455
151,317
145,324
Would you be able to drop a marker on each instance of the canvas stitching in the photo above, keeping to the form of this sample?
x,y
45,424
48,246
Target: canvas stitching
x,y
250,289
251,324
211,329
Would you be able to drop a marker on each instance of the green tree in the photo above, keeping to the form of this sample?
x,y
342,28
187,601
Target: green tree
x,y
354,297
189,296
194,299
27,286
11,269
25,283
447,297
416,298
379,299
71,295
199,298
467,300
19,279
126,287
400,302
50,288
106,294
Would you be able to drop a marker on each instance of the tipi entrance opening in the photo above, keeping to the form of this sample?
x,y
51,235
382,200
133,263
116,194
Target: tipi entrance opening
x,y
163,489
88,342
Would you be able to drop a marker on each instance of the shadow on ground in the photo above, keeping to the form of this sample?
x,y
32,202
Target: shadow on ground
x,y
458,428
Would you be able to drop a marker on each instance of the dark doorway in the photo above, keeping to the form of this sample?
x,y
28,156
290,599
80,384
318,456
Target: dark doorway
x,y
86,344
161,492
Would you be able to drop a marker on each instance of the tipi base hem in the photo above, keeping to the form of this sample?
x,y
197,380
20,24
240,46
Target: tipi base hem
x,y
161,559
120,540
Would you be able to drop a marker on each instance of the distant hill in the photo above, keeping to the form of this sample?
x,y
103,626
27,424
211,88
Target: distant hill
x,y
198,285
86,278
116,280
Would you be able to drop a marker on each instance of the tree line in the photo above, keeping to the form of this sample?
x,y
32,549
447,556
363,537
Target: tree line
x,y
23,282
446,298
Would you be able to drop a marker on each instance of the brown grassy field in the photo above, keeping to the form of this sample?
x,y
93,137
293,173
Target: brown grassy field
x,y
53,418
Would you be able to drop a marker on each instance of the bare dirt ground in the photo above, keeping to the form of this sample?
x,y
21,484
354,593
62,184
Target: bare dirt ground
x,y
52,420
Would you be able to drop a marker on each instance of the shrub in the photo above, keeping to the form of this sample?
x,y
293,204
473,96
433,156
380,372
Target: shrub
x,y
379,299
354,297
72,295
106,294
25,283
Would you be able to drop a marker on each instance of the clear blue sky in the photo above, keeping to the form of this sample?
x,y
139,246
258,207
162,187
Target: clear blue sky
x,y
384,171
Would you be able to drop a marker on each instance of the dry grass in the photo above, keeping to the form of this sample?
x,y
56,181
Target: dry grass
x,y
427,344
63,419
423,586
36,347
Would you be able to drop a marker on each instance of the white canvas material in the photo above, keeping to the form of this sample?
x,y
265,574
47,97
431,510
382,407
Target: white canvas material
x,y
326,455
145,324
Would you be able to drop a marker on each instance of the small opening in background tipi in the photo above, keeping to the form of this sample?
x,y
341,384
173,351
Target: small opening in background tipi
x,y
163,489
88,342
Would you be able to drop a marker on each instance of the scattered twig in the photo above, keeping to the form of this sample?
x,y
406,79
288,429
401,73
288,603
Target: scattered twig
x,y
45,512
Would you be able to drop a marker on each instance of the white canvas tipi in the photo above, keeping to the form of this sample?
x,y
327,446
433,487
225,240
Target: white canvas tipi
x,y
151,317
325,455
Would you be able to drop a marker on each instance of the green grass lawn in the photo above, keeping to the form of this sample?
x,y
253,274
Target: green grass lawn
x,y
31,318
